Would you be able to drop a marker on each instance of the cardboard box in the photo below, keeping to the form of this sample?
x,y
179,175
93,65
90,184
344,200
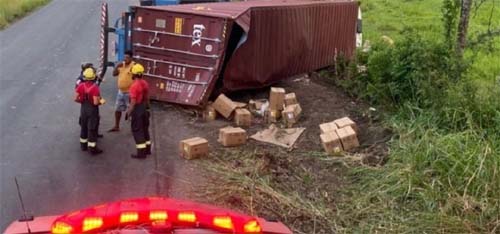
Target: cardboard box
x,y
291,114
290,99
276,98
328,127
224,106
331,142
230,136
242,117
272,116
344,122
209,114
193,148
240,104
348,137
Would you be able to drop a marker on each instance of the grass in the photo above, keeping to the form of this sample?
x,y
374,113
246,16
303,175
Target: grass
x,y
10,10
295,190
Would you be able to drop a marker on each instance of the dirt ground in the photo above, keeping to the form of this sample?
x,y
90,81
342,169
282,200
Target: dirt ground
x,y
321,102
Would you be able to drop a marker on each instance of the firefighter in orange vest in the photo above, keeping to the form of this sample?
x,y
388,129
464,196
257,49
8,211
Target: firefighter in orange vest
x,y
138,112
88,95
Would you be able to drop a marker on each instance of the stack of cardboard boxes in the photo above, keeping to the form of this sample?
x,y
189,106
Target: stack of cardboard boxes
x,y
283,105
226,107
339,135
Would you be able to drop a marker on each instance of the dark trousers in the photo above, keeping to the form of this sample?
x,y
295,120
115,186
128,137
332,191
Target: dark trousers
x,y
140,126
89,123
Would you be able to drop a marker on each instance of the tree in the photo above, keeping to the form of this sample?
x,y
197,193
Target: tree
x,y
463,26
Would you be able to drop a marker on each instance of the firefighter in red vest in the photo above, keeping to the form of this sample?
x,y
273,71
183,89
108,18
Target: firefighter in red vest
x,y
88,95
138,112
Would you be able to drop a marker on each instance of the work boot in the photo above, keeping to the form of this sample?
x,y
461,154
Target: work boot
x,y
95,150
148,150
83,146
141,153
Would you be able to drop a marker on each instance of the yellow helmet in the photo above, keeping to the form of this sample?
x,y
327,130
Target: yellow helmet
x,y
89,74
137,69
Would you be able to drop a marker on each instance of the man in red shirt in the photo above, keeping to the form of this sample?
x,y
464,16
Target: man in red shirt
x,y
138,111
88,95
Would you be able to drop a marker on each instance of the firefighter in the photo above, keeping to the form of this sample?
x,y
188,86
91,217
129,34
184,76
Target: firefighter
x,y
138,112
80,78
98,81
88,95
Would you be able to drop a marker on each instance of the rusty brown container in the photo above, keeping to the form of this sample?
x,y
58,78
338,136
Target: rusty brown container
x,y
186,49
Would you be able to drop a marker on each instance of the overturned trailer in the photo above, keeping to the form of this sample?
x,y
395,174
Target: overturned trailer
x,y
188,50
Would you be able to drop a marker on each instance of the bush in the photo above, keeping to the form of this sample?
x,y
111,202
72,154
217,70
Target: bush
x,y
413,70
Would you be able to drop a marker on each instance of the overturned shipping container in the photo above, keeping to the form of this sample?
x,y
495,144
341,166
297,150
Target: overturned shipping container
x,y
189,49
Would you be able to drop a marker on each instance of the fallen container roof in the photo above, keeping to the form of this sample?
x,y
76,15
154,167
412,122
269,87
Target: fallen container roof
x,y
187,49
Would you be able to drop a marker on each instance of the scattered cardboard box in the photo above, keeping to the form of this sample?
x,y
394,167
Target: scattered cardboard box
x,y
240,104
193,148
276,98
328,127
291,114
331,142
242,117
209,114
347,137
224,106
290,99
230,136
272,116
344,122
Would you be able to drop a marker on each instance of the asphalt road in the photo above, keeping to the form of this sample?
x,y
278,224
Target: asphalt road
x,y
40,57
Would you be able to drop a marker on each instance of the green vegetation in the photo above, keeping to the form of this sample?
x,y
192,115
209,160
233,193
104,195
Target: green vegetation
x,y
11,10
443,171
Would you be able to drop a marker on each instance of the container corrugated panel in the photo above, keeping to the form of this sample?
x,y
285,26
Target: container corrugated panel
x,y
276,40
287,40
182,53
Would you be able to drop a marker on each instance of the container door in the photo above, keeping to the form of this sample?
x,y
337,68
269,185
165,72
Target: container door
x,y
182,53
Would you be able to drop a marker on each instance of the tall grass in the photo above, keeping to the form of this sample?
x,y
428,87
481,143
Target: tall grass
x,y
436,181
11,10
443,172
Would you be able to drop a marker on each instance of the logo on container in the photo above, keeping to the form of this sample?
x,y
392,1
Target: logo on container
x,y
197,32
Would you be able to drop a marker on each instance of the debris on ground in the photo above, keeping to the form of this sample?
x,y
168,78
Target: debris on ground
x,y
230,136
277,136
192,148
299,186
